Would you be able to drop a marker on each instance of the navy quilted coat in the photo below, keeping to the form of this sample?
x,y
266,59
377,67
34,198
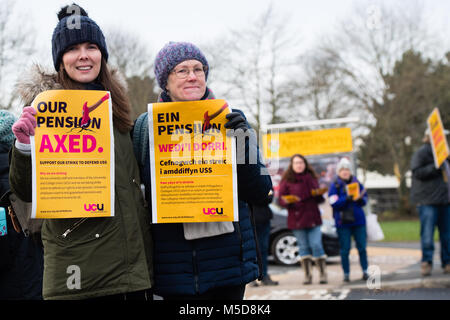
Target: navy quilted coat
x,y
189,267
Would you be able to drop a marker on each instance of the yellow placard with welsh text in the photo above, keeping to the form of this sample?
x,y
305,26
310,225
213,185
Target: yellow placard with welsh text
x,y
312,142
437,138
72,155
193,171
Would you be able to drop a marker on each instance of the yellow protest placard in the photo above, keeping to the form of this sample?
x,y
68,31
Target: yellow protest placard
x,y
193,172
72,155
311,142
353,190
437,138
290,198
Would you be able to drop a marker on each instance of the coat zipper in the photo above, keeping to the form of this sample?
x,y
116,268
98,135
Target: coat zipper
x,y
194,263
238,228
73,227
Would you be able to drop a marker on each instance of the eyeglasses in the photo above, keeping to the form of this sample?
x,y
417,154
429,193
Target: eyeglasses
x,y
183,73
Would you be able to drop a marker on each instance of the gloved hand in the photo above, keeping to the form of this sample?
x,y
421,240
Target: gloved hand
x,y
24,127
236,121
349,198
360,202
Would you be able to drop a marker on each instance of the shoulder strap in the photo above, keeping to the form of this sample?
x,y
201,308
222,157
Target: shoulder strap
x,y
140,138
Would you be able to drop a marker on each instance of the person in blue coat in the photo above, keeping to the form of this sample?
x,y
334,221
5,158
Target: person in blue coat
x,y
430,191
349,217
204,267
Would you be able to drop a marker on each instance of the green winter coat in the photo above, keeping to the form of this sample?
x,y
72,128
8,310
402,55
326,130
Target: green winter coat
x,y
110,255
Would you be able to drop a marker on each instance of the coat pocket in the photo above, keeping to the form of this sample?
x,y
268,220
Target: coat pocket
x,y
78,231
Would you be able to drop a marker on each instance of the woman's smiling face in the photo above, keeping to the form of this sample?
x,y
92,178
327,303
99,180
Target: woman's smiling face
x,y
82,62
298,165
190,88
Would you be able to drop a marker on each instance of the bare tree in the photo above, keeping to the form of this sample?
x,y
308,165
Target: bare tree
x,y
128,53
366,45
16,46
133,59
319,93
141,92
250,66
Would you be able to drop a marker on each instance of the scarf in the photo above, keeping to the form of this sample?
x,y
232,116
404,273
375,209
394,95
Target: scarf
x,y
94,86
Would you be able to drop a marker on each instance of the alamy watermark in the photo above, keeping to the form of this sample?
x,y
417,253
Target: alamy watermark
x,y
373,21
211,145
74,280
73,21
374,281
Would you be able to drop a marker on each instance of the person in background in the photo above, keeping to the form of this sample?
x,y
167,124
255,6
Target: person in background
x,y
113,255
349,216
263,214
7,120
207,266
21,258
430,192
297,194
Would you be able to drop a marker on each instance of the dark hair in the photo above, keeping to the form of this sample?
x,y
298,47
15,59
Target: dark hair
x,y
120,103
289,174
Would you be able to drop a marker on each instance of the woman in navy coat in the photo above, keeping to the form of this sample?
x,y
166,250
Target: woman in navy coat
x,y
213,267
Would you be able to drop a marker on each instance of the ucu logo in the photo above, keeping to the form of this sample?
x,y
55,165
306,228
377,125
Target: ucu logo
x,y
93,207
212,211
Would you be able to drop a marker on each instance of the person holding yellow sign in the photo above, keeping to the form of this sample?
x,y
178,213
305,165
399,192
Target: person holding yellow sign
x,y
300,194
215,260
88,257
347,196
430,191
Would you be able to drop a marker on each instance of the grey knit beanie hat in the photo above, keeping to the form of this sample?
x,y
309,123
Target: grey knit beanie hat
x,y
172,54
344,163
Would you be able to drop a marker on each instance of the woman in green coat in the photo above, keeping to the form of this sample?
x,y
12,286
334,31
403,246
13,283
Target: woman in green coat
x,y
95,257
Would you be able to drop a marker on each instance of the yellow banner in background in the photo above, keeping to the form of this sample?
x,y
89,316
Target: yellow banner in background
x,y
73,155
314,142
437,138
193,170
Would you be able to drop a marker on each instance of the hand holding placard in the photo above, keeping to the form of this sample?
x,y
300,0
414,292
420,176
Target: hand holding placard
x,y
290,198
236,121
318,191
24,127
353,190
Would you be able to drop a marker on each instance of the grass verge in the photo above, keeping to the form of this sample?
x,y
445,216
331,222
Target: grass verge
x,y
403,231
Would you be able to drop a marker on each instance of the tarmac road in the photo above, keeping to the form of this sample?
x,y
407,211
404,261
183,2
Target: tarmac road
x,y
394,270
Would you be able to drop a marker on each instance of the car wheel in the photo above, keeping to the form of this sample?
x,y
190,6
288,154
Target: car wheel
x,y
284,249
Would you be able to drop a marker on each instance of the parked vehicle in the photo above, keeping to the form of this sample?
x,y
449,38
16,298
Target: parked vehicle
x,y
283,244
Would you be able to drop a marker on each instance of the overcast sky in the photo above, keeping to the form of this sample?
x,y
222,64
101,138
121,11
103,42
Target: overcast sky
x,y
195,20
158,22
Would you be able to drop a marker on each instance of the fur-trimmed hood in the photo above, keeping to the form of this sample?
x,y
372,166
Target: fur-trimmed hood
x,y
37,80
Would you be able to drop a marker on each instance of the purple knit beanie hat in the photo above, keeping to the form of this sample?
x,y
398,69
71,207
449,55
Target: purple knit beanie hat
x,y
172,54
